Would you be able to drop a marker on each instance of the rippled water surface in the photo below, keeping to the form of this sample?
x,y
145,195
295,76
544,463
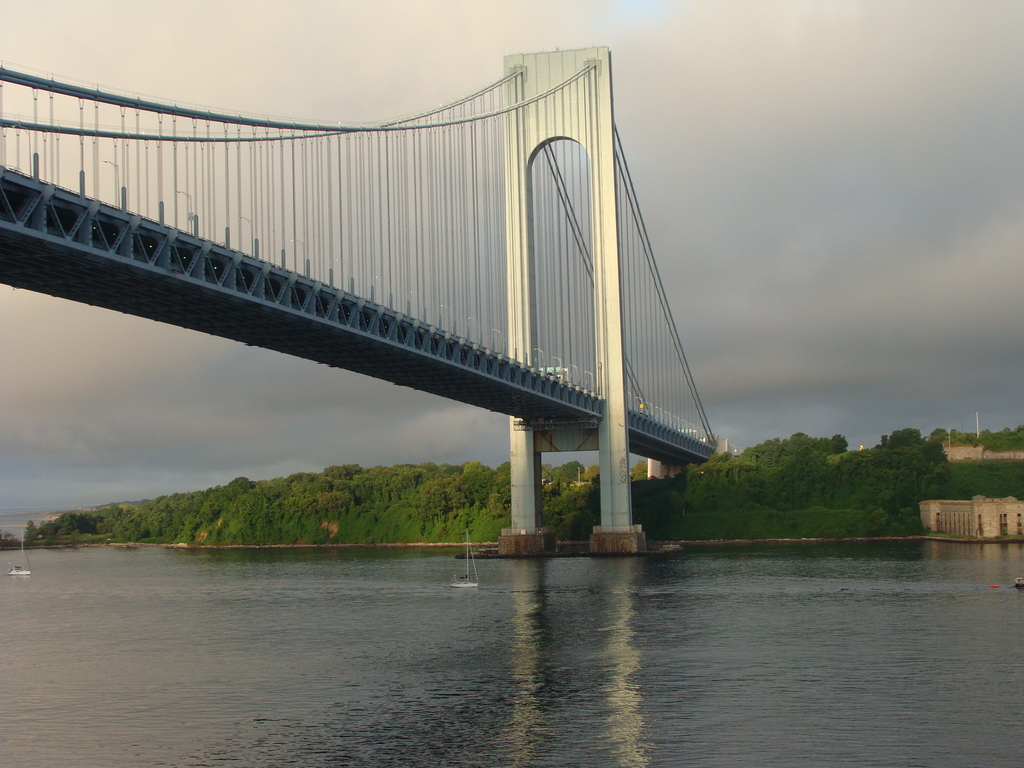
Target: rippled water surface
x,y
894,654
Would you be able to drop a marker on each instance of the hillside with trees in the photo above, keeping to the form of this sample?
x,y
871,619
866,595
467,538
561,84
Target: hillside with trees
x,y
341,505
799,487
806,487
1004,440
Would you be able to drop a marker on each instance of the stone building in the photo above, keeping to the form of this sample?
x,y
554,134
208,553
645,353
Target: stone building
x,y
981,517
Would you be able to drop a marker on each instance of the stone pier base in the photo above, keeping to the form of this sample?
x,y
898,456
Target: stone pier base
x,y
522,542
618,540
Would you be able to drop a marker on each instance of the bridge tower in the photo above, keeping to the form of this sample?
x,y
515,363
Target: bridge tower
x,y
587,120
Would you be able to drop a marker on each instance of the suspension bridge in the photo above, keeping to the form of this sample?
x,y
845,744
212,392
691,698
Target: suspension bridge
x,y
490,251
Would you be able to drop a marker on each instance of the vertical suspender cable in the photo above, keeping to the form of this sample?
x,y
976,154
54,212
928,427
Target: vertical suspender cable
x,y
295,213
303,264
3,131
174,161
138,168
330,213
160,168
348,208
81,146
194,179
209,193
96,153
238,191
227,194
33,144
387,214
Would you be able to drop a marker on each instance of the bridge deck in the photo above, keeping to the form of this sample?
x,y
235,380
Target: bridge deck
x,y
55,242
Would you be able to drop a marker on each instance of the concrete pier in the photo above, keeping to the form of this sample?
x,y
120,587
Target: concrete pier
x,y
618,540
525,542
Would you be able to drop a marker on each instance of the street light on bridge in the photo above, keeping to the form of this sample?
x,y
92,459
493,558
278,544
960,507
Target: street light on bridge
x,y
252,232
543,356
119,191
192,217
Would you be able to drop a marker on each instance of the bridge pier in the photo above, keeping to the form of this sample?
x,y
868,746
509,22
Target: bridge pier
x,y
528,534
525,460
661,471
618,540
523,542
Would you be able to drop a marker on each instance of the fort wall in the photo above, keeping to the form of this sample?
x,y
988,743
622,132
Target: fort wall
x,y
978,453
980,517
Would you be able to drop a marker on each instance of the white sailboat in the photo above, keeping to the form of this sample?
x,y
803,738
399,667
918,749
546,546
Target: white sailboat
x,y
23,569
460,580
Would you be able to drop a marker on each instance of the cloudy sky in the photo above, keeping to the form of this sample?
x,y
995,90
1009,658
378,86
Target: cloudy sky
x,y
835,191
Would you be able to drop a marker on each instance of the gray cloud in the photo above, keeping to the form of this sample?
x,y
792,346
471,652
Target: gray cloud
x,y
833,190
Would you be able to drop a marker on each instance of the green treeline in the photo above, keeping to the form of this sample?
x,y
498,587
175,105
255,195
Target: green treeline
x,y
806,487
341,505
793,488
809,487
805,473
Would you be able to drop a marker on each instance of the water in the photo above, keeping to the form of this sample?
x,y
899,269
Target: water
x,y
13,520
803,655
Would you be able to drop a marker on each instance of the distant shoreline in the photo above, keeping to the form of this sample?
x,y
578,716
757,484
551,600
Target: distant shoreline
x,y
925,537
459,544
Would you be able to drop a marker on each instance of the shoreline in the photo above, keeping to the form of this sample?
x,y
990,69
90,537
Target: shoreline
x,y
919,537
655,545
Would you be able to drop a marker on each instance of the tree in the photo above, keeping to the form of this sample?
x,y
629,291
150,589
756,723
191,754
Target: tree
x,y
569,472
903,438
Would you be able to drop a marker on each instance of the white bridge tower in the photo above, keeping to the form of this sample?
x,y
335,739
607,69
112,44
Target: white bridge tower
x,y
583,114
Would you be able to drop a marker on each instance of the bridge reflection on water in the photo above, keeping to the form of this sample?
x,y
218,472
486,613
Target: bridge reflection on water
x,y
545,634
